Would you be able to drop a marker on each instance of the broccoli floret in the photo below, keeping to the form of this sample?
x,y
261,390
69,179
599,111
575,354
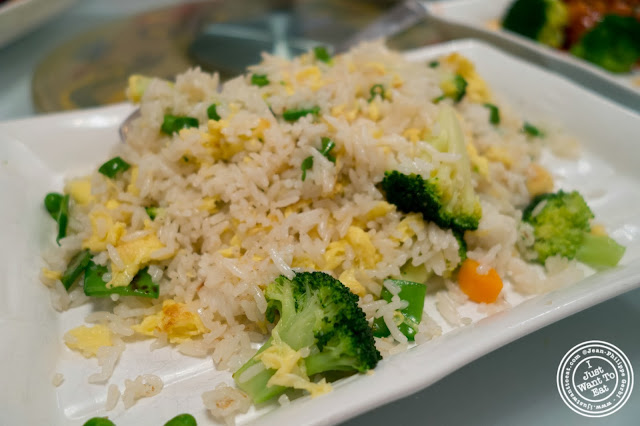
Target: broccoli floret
x,y
540,20
317,312
613,44
447,197
562,227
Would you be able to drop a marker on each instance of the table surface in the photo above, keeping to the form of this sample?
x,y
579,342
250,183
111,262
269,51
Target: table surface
x,y
512,385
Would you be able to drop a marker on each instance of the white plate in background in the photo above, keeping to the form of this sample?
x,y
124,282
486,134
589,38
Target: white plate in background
x,y
36,154
21,16
481,19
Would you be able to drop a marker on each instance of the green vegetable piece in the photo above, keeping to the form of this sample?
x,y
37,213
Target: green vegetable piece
x,y
63,218
532,130
259,80
212,112
599,251
319,312
540,20
114,166
376,90
52,202
461,87
434,64
152,212
438,99
174,123
141,285
561,227
613,44
322,54
182,420
407,319
307,164
76,267
99,421
447,197
417,274
494,113
327,146
292,115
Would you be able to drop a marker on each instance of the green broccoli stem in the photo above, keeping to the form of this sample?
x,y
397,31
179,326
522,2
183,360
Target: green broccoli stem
x,y
327,361
256,387
599,251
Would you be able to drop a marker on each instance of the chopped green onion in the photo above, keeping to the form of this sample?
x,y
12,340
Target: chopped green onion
x,y
532,130
174,123
321,54
307,163
182,420
114,166
63,218
407,319
259,80
99,421
376,90
434,64
494,113
292,115
76,267
152,212
438,99
461,87
141,285
327,146
212,112
52,202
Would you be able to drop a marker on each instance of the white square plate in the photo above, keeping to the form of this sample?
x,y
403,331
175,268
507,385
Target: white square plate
x,y
36,154
477,18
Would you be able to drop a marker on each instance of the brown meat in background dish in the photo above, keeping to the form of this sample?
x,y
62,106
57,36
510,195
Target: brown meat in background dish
x,y
585,14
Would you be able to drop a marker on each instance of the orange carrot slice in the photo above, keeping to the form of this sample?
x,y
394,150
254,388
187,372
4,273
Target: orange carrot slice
x,y
481,288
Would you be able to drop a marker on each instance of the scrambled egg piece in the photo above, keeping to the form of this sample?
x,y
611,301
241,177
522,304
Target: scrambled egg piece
x,y
478,162
364,250
176,320
105,231
290,371
80,191
539,180
312,76
52,275
348,278
135,254
304,262
112,204
132,188
137,86
379,210
208,204
498,154
87,340
598,229
405,230
477,89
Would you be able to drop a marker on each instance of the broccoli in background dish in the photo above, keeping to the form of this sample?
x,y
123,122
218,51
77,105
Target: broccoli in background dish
x,y
613,44
561,227
540,20
316,312
447,197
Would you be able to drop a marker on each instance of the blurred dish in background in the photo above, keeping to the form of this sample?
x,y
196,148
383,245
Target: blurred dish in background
x,y
482,19
18,17
223,36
